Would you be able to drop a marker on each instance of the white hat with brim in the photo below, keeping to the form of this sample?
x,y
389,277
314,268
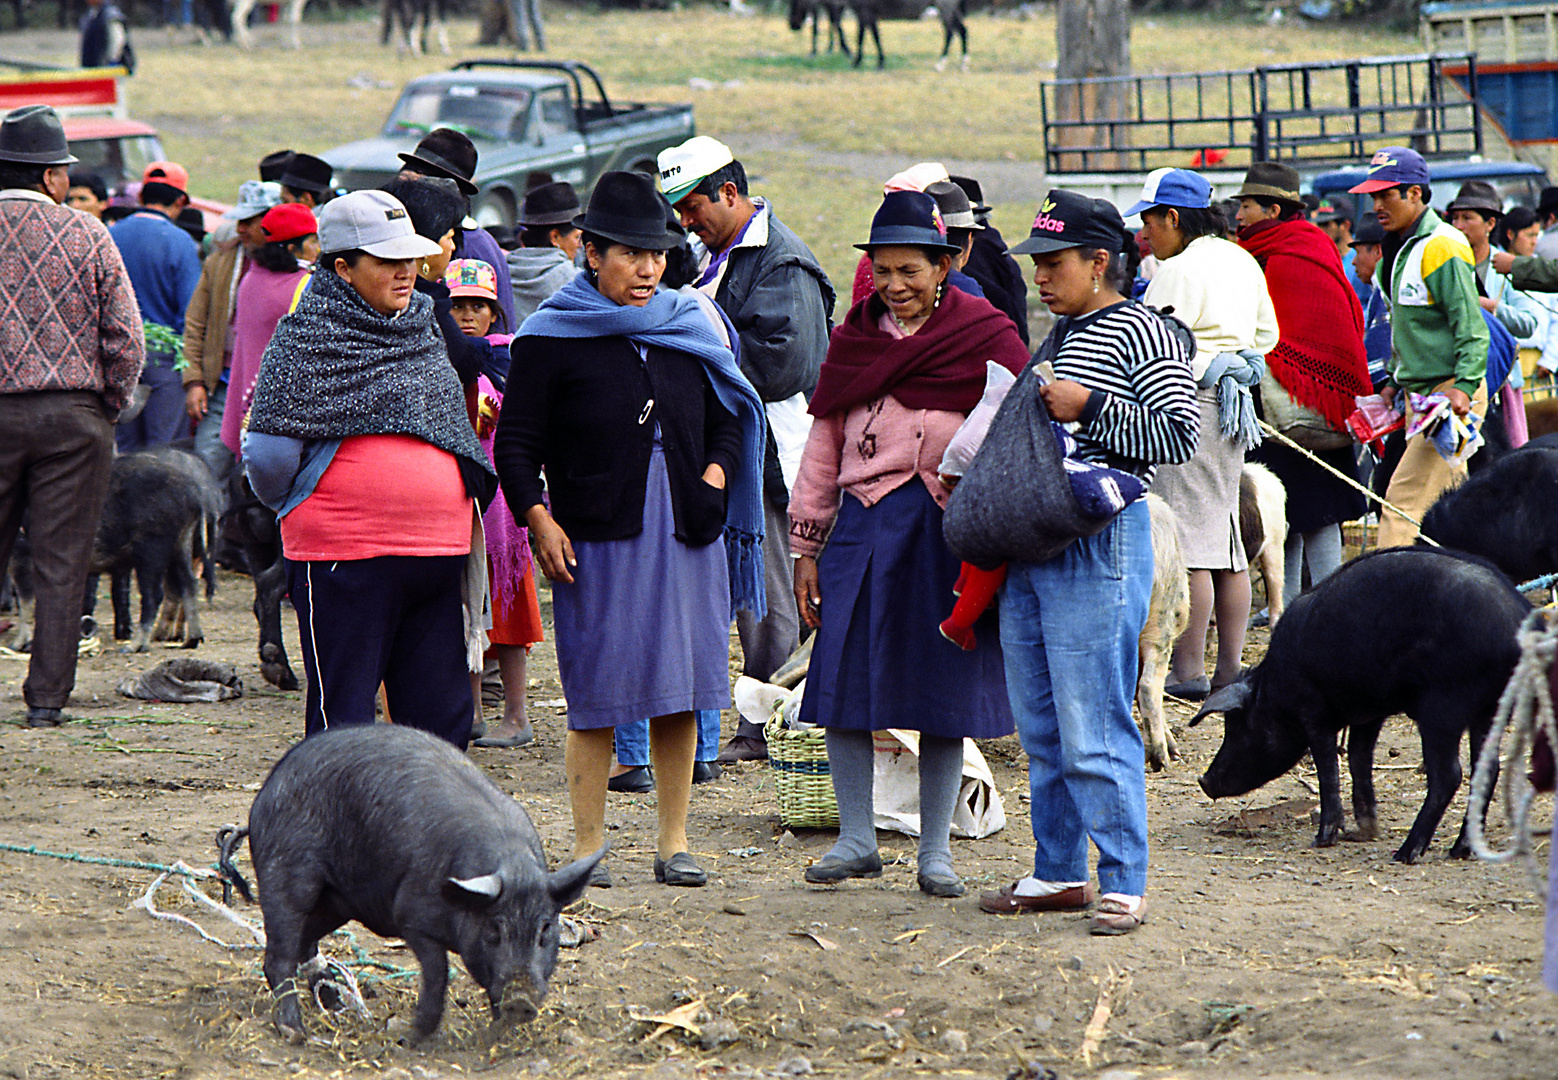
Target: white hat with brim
x,y
375,222
254,198
684,167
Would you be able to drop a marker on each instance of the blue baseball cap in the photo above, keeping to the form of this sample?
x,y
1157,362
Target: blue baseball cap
x,y
1174,187
1391,167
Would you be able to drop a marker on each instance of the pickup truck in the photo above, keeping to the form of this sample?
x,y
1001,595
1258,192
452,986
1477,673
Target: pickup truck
x,y
532,121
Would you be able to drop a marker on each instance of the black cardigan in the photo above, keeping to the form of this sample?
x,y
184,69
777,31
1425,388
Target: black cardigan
x,y
585,409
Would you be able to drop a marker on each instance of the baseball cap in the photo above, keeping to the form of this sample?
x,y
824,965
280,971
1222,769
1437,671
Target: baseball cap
x,y
288,221
1173,187
683,167
254,198
1329,212
1393,166
1068,219
371,221
167,172
472,277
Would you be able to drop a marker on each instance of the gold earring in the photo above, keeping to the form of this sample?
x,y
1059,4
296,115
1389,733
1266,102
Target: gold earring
x,y
426,269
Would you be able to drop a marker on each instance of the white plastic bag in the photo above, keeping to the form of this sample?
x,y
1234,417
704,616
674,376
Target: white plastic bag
x,y
971,434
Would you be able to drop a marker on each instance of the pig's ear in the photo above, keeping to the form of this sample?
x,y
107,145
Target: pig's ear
x,y
569,883
488,886
1235,695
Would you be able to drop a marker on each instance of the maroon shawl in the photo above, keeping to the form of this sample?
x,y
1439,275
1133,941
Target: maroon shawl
x,y
940,366
1319,358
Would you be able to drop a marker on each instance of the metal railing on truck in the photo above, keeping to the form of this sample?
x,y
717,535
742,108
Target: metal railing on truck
x,y
1305,114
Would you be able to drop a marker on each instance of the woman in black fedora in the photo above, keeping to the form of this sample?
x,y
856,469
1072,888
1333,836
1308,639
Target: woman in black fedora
x,y
550,241
872,572
652,442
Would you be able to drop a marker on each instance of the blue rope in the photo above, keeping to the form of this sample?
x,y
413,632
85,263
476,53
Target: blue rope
x,y
1546,581
94,860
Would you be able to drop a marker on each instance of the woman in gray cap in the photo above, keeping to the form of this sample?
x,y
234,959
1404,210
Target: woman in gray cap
x,y
550,239
359,439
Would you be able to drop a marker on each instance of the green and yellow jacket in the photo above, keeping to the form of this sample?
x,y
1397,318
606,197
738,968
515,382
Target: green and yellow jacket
x,y
1437,330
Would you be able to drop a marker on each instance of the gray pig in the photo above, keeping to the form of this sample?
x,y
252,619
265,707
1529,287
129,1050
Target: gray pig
x,y
397,829
1408,630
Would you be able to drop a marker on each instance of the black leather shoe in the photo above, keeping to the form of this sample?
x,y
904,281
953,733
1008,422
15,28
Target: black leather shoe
x,y
636,780
946,886
705,771
680,869
40,716
830,871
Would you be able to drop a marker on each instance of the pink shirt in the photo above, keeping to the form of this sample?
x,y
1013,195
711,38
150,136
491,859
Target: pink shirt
x,y
382,495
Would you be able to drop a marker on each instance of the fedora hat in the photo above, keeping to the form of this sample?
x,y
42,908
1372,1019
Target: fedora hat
x,y
1477,195
975,193
626,208
274,165
954,205
305,172
33,135
550,204
1272,180
910,218
445,152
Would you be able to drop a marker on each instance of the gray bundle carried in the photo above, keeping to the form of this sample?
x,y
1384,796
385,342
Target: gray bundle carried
x,y
1015,503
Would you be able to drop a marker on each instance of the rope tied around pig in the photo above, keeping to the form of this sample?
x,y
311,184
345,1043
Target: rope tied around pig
x,y
1525,709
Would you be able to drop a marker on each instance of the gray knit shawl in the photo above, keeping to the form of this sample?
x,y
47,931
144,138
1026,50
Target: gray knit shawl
x,y
337,368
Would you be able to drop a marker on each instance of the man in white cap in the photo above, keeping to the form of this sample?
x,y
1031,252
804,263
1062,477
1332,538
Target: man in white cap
x,y
776,295
73,351
208,348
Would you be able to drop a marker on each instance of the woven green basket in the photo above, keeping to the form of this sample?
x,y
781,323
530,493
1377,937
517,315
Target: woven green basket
x,y
798,761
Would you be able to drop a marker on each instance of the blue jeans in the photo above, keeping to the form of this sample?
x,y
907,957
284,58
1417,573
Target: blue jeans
x,y
164,419
633,739
1069,630
208,436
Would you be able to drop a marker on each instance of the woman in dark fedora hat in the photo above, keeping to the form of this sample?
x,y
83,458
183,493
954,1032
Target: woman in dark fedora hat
x,y
872,572
652,442
550,241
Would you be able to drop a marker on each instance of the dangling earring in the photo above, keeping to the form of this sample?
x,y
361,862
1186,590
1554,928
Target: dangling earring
x,y
940,287
1095,285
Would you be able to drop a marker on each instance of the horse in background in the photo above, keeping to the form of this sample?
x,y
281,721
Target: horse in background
x,y
434,16
869,12
801,10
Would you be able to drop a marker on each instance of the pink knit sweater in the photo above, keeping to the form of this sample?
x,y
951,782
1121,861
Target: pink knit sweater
x,y
868,451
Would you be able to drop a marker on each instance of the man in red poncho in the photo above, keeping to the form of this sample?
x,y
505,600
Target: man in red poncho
x,y
1319,362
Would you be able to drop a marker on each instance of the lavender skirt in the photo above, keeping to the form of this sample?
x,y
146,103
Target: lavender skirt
x,y
644,630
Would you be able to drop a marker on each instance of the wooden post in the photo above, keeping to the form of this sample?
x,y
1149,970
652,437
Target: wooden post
x,y
1093,40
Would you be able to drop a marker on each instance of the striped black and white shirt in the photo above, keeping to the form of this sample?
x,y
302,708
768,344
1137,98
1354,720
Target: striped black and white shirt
x,y
1142,412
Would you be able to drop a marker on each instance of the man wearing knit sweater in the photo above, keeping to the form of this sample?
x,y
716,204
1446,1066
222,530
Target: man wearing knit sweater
x,y
1438,338
71,348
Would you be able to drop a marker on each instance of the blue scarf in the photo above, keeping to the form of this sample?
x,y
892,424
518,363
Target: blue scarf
x,y
1234,374
673,321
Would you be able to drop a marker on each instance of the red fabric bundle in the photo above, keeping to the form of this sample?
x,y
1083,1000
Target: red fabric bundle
x,y
1319,358
940,366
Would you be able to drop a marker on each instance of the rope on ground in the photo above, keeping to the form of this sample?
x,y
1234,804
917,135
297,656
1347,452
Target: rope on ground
x,y
1524,709
187,874
99,860
1272,433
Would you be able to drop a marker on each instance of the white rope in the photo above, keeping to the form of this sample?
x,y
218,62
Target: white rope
x,y
1272,433
185,874
1525,707
327,973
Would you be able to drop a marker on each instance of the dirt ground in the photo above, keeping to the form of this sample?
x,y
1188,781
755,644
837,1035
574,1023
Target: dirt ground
x,y
1263,957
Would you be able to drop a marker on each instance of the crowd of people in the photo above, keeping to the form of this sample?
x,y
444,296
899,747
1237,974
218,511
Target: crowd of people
x,y
653,398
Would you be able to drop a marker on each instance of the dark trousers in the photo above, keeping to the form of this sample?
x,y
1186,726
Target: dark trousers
x,y
55,450
163,419
394,620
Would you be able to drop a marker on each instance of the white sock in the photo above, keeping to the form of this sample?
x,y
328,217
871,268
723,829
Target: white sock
x,y
1131,903
1032,886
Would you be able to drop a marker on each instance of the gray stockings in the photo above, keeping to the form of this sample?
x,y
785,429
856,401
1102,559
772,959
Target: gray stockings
x,y
851,759
1320,550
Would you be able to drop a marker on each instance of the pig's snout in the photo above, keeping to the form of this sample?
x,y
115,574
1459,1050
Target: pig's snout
x,y
1208,786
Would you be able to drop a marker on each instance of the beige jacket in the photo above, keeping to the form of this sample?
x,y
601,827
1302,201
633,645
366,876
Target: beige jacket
x,y
209,317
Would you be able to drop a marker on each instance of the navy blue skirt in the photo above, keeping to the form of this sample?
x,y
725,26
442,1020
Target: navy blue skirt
x,y
886,580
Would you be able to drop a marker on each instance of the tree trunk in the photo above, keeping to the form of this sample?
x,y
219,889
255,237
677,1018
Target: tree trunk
x,y
1093,40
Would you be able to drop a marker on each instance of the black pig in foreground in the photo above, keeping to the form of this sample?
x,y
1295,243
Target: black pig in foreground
x,y
1409,630
1507,513
397,829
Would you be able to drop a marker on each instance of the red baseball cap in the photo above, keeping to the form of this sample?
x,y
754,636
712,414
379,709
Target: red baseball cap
x,y
288,222
167,172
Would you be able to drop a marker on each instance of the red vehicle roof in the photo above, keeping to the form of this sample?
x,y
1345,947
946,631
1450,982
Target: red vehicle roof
x,y
103,127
